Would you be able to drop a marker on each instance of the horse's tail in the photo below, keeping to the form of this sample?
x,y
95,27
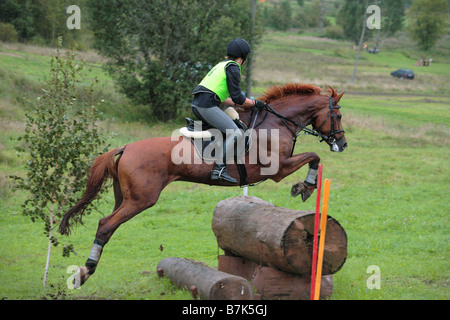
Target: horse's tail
x,y
103,168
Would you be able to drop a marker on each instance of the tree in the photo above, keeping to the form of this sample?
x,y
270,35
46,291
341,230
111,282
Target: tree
x,y
22,14
393,14
52,21
350,17
280,16
60,142
160,52
352,12
311,15
427,22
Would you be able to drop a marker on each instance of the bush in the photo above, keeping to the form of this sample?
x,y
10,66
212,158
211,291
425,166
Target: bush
x,y
7,32
334,32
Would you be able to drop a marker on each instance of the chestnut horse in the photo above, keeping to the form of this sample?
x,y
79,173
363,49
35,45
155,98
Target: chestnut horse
x,y
141,170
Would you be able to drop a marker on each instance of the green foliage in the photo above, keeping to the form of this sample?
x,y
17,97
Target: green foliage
x,y
42,21
352,13
60,141
280,16
350,17
161,51
392,16
427,22
7,32
334,32
23,15
283,16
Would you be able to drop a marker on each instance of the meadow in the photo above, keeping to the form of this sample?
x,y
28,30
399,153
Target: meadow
x,y
389,189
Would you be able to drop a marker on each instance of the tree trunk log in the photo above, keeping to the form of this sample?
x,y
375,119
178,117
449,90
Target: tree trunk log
x,y
273,236
210,283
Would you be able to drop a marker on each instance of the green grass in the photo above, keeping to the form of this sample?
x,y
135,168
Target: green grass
x,y
413,110
389,189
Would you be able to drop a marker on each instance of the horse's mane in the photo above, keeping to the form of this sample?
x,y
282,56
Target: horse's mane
x,y
290,89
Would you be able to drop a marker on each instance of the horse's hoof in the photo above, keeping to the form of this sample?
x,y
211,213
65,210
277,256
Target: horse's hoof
x,y
297,189
307,192
304,190
80,278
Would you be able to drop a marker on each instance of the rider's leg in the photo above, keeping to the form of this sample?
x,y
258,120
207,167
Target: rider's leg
x,y
220,120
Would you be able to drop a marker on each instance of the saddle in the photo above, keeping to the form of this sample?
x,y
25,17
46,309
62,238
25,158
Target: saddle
x,y
202,138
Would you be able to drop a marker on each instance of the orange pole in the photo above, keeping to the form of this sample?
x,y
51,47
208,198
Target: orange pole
x,y
316,233
323,228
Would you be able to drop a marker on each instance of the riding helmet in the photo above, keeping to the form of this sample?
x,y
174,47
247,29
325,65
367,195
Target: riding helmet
x,y
238,48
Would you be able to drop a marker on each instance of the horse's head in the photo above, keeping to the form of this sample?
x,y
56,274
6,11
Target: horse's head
x,y
328,121
303,104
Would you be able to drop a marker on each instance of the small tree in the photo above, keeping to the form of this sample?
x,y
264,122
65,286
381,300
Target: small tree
x,y
61,139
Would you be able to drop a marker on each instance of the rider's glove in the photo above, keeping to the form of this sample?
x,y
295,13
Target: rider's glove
x,y
260,105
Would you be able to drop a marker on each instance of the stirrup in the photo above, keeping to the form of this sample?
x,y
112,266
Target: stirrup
x,y
220,173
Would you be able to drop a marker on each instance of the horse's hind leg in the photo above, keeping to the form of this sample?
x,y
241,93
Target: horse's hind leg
x,y
106,227
85,272
118,196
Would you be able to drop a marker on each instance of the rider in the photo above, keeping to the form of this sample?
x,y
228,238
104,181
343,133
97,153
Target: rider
x,y
222,85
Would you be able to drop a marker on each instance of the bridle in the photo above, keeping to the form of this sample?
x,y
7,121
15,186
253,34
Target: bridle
x,y
331,137
333,132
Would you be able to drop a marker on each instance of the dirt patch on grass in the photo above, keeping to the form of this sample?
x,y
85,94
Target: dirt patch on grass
x,y
11,55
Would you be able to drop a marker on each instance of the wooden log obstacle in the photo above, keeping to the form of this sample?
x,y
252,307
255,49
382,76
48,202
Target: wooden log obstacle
x,y
268,247
205,281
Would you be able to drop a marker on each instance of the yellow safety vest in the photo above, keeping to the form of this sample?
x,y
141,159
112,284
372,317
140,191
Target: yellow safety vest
x,y
216,79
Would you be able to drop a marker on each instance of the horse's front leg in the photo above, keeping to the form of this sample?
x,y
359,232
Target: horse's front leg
x,y
292,164
306,188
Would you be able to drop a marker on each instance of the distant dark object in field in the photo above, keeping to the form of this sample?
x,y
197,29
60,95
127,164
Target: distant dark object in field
x,y
403,74
374,50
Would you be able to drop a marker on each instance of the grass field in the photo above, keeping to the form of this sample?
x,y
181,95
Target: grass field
x,y
389,189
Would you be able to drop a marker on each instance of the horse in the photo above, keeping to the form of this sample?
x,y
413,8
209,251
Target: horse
x,y
141,170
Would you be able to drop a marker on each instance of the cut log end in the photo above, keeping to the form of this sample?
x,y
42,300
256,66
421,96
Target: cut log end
x,y
231,288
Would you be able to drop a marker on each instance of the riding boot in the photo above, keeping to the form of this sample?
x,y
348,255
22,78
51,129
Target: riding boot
x,y
220,169
220,172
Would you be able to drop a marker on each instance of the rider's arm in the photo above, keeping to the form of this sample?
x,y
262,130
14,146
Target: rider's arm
x,y
234,87
248,103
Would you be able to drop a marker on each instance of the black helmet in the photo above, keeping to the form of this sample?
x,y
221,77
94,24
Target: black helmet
x,y
238,48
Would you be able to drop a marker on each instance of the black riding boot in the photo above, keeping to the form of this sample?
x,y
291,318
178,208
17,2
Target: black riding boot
x,y
220,172
220,169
